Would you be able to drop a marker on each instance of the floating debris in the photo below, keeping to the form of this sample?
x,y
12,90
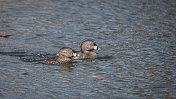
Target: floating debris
x,y
165,22
4,35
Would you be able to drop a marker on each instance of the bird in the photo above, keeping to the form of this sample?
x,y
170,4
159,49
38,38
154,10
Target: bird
x,y
65,54
86,51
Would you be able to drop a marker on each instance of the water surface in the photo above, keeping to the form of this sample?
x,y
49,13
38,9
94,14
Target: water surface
x,y
137,40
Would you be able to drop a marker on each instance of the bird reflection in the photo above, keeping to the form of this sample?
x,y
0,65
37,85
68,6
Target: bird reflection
x,y
68,66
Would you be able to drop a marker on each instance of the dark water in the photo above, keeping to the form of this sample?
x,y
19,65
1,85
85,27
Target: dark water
x,y
137,38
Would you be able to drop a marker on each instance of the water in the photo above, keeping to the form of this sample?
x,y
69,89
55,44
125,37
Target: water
x,y
137,38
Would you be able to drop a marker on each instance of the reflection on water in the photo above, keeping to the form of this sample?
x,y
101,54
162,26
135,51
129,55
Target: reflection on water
x,y
137,39
19,54
2,4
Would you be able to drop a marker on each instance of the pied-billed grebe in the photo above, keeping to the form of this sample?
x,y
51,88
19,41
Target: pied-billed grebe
x,y
64,55
87,48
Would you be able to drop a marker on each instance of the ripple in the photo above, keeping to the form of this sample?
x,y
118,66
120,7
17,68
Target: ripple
x,y
137,59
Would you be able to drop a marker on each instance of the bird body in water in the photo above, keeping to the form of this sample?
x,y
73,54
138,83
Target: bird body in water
x,y
64,55
87,48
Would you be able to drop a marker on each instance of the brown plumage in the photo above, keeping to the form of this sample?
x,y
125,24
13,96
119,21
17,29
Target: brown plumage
x,y
64,55
87,48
